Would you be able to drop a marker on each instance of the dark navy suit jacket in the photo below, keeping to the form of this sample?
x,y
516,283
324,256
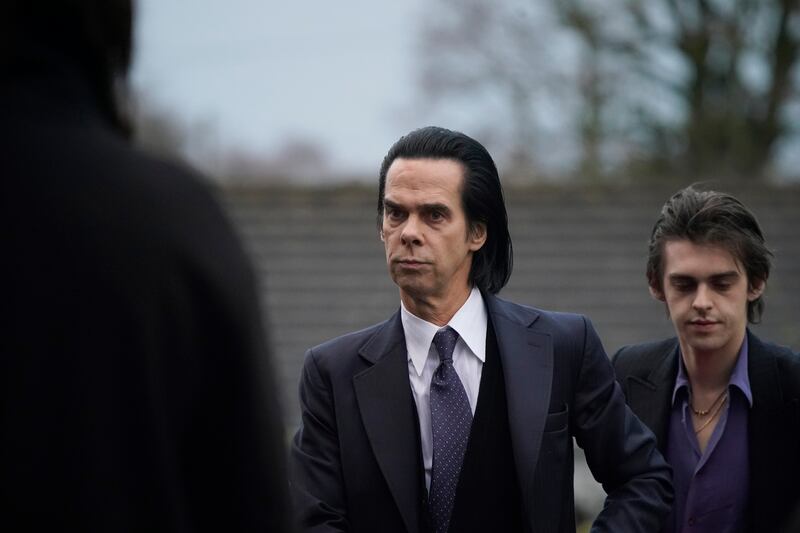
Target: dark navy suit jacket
x,y
647,374
355,461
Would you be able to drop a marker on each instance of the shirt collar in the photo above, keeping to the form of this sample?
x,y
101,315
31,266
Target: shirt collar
x,y
470,322
740,376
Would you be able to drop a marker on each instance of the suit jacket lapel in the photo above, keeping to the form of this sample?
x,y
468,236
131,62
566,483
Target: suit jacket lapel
x,y
386,405
651,398
527,358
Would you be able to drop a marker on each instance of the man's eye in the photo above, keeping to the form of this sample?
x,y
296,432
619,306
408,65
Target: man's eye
x,y
683,286
393,214
436,215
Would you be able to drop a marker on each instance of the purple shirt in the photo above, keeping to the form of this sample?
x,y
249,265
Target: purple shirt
x,y
711,488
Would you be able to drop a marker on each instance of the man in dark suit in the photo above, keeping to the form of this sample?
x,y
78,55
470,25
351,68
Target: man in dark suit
x,y
723,404
458,413
134,391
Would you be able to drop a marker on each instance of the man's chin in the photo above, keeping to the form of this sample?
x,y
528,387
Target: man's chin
x,y
409,280
413,287
705,343
415,291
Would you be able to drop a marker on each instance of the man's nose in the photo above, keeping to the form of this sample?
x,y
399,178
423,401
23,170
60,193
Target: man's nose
x,y
411,234
702,298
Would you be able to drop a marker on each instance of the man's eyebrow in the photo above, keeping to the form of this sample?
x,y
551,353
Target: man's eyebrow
x,y
390,204
725,275
677,276
434,207
422,207
680,277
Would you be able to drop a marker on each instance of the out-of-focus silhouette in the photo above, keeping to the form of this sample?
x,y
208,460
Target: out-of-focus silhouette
x,y
134,390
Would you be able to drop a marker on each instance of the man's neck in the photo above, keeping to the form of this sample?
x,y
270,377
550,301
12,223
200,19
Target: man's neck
x,y
436,310
710,370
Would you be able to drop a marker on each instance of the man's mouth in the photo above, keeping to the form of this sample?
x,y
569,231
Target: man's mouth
x,y
411,263
703,323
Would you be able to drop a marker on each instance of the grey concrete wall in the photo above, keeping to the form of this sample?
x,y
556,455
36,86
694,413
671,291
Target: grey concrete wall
x,y
322,266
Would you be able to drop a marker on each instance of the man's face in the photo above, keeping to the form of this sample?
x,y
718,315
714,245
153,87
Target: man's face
x,y
706,292
428,244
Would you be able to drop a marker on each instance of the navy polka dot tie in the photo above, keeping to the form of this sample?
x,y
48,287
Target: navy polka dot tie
x,y
451,420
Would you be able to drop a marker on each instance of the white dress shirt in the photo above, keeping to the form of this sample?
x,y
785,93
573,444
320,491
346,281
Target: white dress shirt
x,y
470,322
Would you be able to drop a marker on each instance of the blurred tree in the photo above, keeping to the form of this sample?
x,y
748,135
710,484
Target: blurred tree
x,y
156,129
697,87
483,49
298,160
733,82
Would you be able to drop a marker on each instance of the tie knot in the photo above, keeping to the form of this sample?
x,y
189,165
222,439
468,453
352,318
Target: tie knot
x,y
445,341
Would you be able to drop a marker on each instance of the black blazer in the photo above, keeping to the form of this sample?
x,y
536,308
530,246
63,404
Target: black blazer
x,y
355,461
647,375
134,394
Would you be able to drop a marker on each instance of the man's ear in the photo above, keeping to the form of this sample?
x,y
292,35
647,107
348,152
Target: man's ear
x,y
477,236
756,290
380,234
657,293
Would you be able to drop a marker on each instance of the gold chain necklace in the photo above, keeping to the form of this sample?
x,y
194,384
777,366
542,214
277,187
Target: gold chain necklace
x,y
713,415
700,412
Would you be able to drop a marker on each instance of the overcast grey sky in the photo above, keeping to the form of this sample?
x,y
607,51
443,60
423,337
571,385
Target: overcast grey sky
x,y
260,73
254,75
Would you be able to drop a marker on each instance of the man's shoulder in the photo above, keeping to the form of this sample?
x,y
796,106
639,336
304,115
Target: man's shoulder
x,y
96,178
786,360
169,191
344,348
644,349
636,359
542,318
781,352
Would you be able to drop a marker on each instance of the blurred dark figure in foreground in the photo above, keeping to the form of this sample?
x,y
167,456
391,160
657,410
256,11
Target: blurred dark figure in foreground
x,y
134,395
